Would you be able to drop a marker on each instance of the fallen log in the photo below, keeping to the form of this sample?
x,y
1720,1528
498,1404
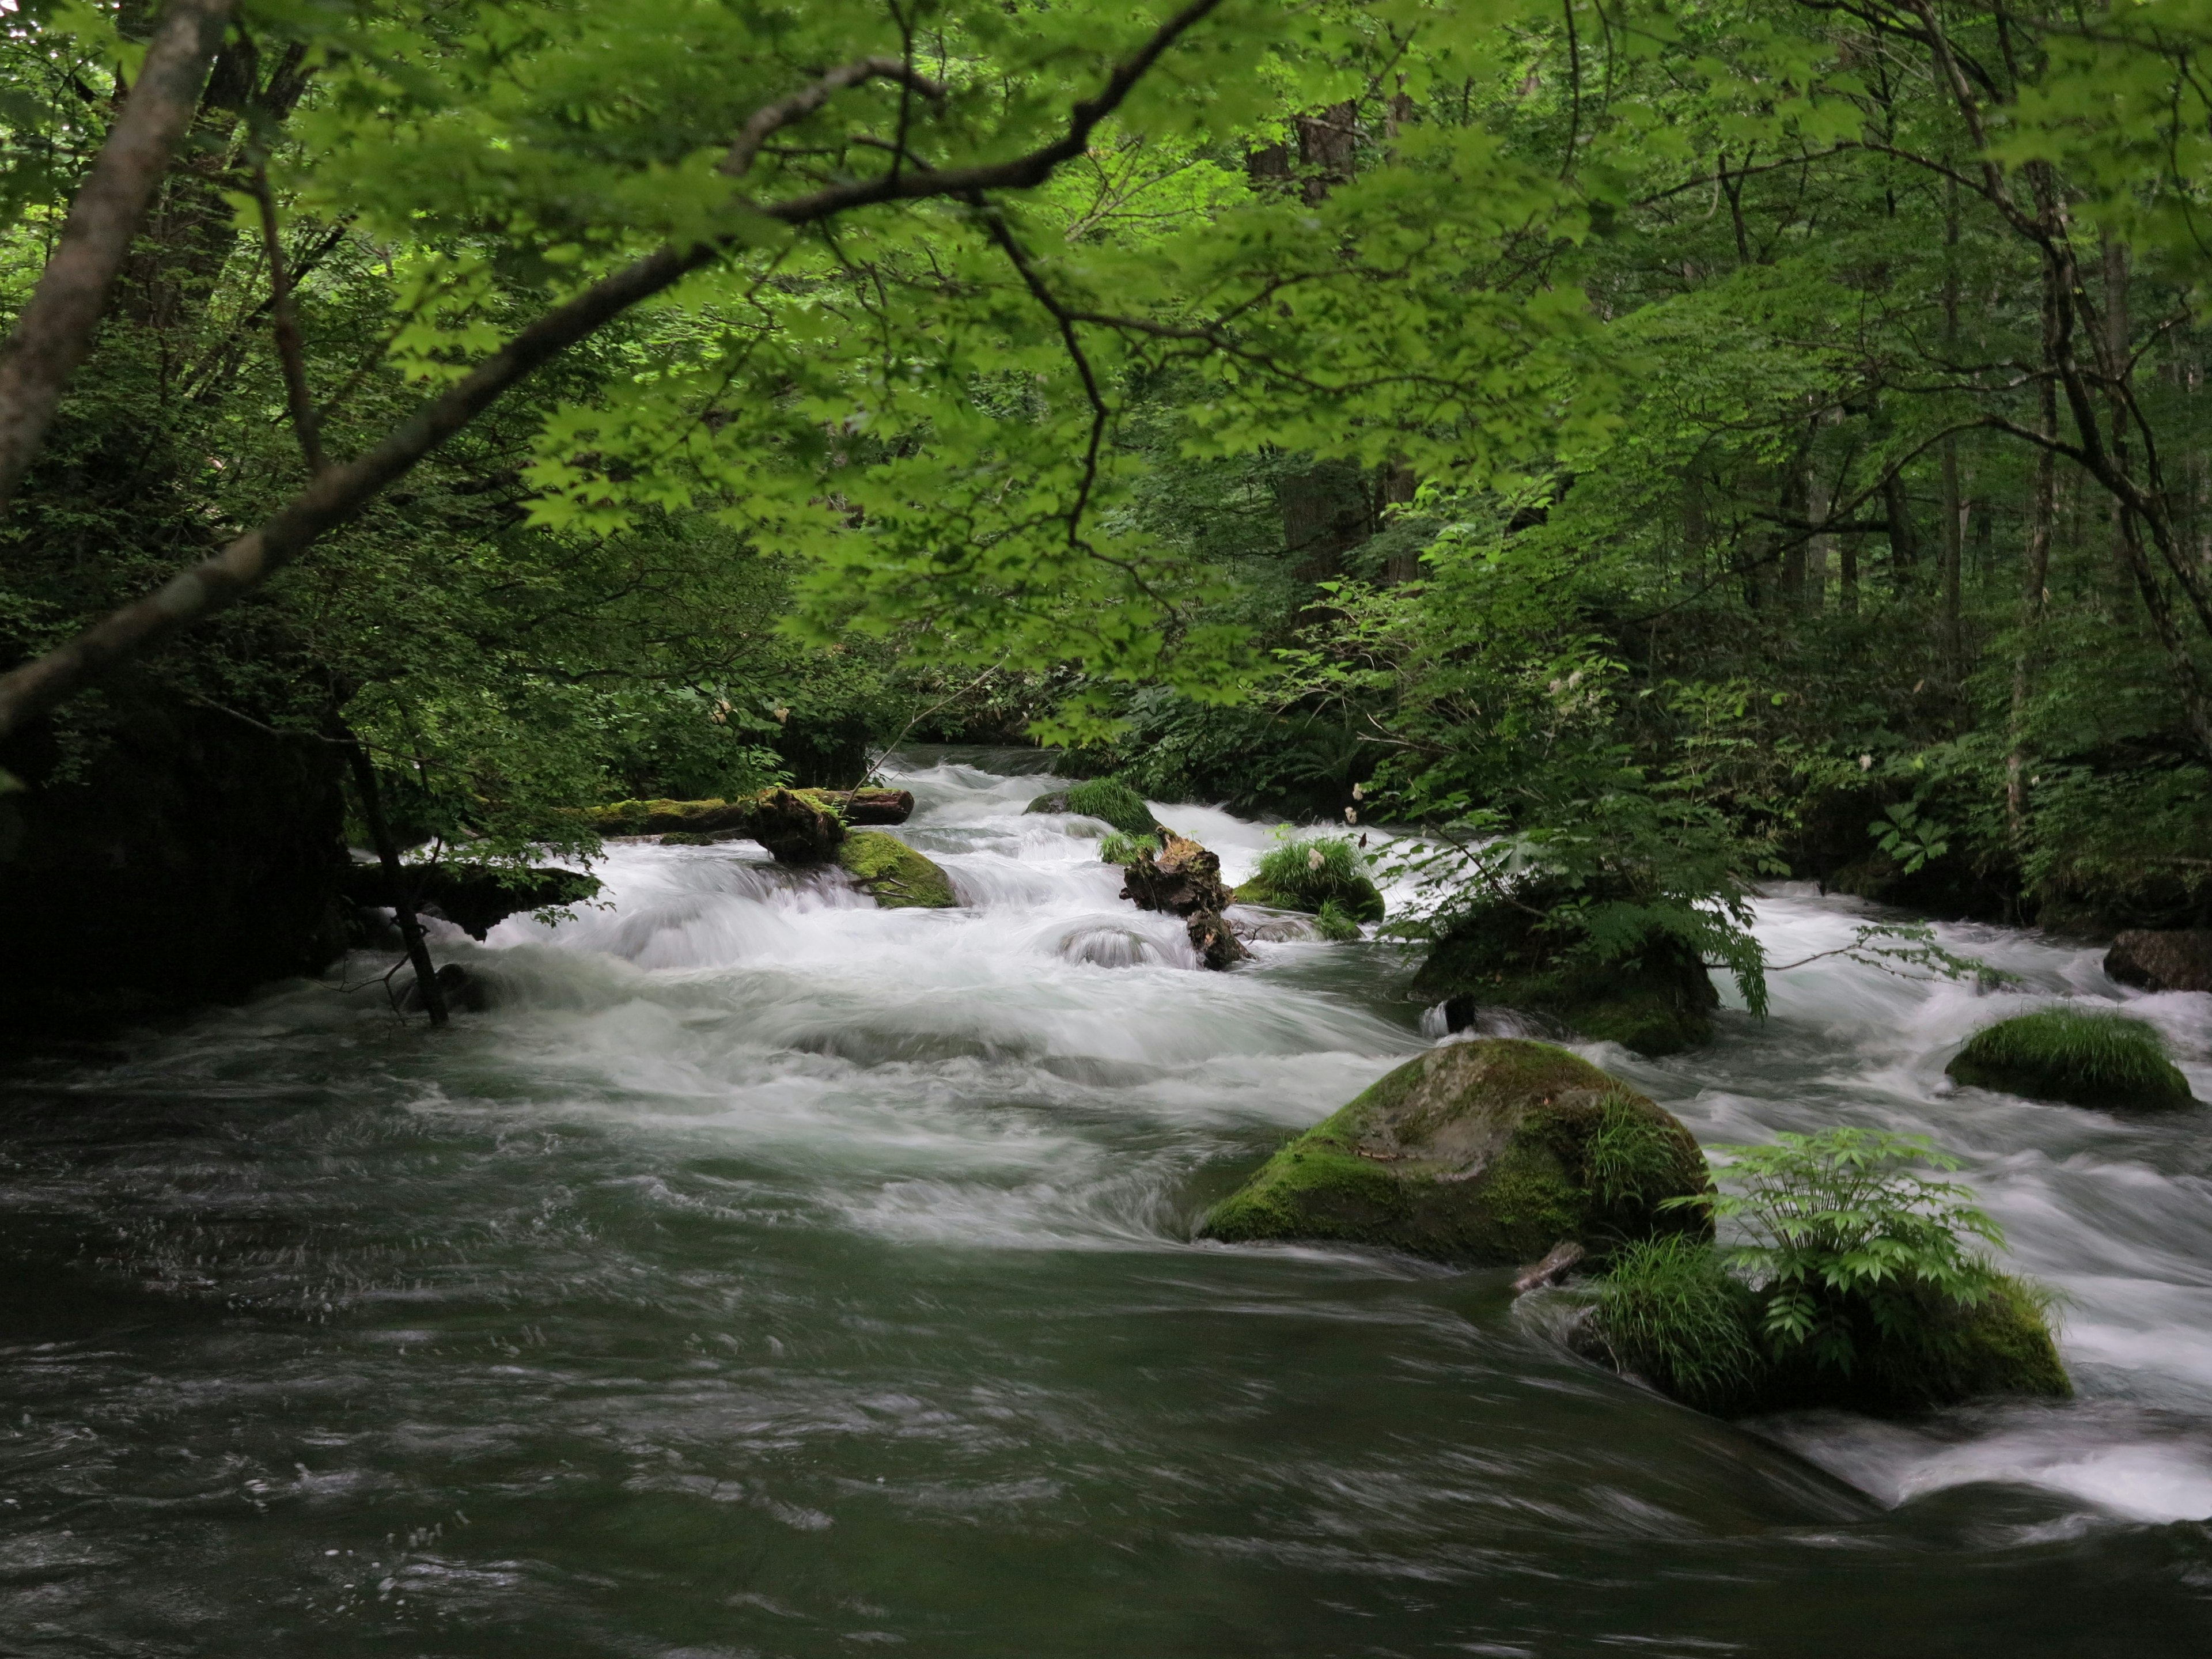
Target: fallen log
x,y
854,807
1184,879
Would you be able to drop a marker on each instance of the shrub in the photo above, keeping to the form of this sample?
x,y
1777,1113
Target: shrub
x,y
2082,1057
1305,875
1853,1282
1112,801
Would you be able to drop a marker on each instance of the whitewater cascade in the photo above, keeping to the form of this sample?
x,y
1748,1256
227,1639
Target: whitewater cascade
x,y
764,1272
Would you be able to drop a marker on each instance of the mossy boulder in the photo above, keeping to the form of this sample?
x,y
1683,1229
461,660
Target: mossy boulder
x,y
1310,874
1672,1313
1108,799
2074,1056
1658,1000
1485,1153
893,874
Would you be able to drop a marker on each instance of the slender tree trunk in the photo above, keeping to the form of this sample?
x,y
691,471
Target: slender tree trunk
x,y
387,851
54,330
2035,577
1953,526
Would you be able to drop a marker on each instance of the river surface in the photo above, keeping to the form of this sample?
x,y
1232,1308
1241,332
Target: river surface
x,y
766,1274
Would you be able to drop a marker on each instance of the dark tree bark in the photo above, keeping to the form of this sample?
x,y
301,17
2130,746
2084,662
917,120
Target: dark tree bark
x,y
433,995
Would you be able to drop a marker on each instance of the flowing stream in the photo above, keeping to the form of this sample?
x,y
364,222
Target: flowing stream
x,y
767,1274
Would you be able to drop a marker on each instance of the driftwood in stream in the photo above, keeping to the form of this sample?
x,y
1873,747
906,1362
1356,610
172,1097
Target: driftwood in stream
x,y
795,828
476,900
1183,879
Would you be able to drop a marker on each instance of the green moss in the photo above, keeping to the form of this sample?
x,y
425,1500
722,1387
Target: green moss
x,y
1111,801
1309,875
1334,925
2081,1057
897,877
1474,1152
1122,849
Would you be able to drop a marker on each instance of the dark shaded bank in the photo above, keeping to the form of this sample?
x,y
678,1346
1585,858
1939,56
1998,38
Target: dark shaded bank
x,y
192,858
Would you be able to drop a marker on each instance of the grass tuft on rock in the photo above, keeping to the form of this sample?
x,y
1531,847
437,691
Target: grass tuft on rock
x,y
1669,1310
1333,924
1121,847
2078,1056
1112,801
1306,875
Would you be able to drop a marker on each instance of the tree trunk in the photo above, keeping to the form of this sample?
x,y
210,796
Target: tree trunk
x,y
402,909
2035,578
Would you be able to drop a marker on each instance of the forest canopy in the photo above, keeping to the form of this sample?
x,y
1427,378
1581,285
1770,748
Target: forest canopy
x,y
1653,446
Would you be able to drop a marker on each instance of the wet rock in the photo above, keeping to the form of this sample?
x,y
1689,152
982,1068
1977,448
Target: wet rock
x,y
2164,959
465,992
2077,1056
896,876
1182,878
1486,1153
1108,799
1659,1000
795,827
473,898
1217,946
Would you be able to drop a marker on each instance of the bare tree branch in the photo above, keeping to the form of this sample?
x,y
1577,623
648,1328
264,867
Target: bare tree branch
x,y
54,330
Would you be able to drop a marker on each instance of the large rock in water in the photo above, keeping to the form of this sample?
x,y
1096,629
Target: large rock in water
x,y
1486,1153
473,898
2079,1056
891,872
1658,1000
2164,959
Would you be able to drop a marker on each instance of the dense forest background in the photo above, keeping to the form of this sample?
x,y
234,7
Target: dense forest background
x,y
1653,447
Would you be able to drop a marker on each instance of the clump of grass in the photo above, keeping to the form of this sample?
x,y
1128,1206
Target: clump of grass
x,y
2081,1057
1333,924
1629,1158
1112,801
1121,848
1306,875
1670,1310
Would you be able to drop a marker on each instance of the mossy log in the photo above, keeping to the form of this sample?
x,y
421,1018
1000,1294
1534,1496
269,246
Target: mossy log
x,y
1486,1153
1658,1001
2076,1056
708,818
472,897
891,872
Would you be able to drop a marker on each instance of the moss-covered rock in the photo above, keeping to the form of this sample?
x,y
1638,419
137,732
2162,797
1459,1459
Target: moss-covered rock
x,y
1673,1315
896,875
1108,799
1308,874
2075,1056
1483,1153
1658,1001
893,874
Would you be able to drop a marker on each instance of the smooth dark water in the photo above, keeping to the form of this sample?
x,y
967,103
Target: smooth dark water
x,y
769,1275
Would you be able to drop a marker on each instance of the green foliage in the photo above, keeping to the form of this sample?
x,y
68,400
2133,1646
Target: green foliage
x,y
1669,1309
1310,873
1111,801
1332,922
2085,1056
1122,848
1912,841
1629,1158
1847,1241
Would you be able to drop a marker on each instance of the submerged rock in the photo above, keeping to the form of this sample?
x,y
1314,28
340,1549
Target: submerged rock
x,y
1658,1001
1489,1154
2164,959
893,874
2074,1056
